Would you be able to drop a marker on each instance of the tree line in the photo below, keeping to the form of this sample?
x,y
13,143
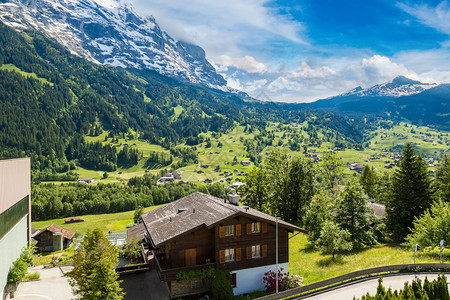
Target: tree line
x,y
337,212
52,201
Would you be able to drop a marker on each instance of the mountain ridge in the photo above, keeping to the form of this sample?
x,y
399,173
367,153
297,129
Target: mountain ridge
x,y
401,98
111,32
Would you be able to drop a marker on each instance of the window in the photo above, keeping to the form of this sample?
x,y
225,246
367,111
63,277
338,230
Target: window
x,y
256,227
229,230
233,280
256,251
229,255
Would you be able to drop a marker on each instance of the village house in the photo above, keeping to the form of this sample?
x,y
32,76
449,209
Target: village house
x,y
246,163
86,180
53,238
201,231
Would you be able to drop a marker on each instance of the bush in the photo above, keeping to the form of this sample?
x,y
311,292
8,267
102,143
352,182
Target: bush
x,y
221,288
18,271
285,281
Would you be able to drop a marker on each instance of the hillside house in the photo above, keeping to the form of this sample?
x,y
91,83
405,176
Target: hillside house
x,y
201,231
86,180
53,238
246,163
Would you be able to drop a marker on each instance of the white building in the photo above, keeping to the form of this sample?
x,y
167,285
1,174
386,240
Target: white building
x,y
15,217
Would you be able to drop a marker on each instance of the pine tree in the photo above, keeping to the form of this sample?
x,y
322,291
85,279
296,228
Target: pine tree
x,y
443,179
368,181
353,214
94,275
410,194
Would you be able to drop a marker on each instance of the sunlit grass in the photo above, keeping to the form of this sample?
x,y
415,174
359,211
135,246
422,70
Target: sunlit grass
x,y
313,266
115,222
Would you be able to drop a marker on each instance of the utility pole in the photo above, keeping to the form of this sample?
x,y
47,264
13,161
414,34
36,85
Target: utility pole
x,y
441,244
276,253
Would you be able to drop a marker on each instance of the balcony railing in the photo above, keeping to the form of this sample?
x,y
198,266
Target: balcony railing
x,y
168,274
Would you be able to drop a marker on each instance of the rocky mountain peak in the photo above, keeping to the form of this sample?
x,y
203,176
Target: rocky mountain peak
x,y
399,86
111,32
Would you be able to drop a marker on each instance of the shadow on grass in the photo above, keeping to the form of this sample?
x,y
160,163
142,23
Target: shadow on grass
x,y
328,261
309,248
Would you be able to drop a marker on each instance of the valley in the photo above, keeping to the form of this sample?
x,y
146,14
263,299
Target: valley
x,y
219,150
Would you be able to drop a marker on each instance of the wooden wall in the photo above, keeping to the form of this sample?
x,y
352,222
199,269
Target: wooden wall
x,y
202,240
209,243
246,240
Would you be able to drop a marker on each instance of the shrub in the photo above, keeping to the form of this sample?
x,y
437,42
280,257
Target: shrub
x,y
285,281
18,271
221,288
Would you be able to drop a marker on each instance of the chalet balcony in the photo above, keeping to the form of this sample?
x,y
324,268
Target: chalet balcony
x,y
168,274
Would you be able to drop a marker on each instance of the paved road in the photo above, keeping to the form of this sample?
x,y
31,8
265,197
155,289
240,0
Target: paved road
x,y
53,285
359,289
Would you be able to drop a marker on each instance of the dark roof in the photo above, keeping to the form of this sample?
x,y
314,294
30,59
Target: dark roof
x,y
68,234
136,231
196,210
378,209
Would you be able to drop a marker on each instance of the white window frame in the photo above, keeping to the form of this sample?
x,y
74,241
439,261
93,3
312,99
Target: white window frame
x,y
229,255
256,251
229,230
256,227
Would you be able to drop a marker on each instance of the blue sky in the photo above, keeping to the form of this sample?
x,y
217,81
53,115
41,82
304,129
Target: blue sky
x,y
300,51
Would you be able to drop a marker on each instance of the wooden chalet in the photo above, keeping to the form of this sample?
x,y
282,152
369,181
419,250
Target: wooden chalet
x,y
201,231
53,238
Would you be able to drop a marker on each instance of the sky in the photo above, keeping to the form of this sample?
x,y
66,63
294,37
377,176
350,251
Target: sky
x,y
304,50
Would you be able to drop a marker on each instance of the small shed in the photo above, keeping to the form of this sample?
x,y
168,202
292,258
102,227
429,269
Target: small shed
x,y
54,238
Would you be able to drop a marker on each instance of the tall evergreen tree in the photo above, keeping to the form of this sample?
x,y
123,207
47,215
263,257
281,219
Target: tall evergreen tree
x,y
353,214
300,187
368,181
443,179
94,275
410,194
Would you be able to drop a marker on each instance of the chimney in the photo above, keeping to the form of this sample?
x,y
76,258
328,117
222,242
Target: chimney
x,y
233,198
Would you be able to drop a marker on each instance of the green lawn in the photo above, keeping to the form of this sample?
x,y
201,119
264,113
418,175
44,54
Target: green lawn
x,y
116,222
314,266
13,68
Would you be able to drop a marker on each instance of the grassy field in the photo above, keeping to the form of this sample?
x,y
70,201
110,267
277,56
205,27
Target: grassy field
x,y
313,266
116,222
429,142
13,68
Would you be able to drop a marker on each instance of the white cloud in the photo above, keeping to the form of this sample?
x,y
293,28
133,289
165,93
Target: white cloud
x,y
222,27
305,71
376,69
246,63
436,17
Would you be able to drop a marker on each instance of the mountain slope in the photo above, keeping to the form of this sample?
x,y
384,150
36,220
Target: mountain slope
x,y
401,98
110,32
52,99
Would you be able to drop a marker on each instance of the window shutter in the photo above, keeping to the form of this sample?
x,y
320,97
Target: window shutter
x,y
221,231
264,250
264,227
238,229
221,256
249,252
238,254
249,228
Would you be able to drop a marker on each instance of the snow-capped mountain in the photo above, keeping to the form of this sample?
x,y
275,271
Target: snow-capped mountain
x,y
110,32
399,86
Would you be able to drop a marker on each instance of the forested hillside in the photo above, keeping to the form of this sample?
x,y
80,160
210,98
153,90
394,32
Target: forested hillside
x,y
51,100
